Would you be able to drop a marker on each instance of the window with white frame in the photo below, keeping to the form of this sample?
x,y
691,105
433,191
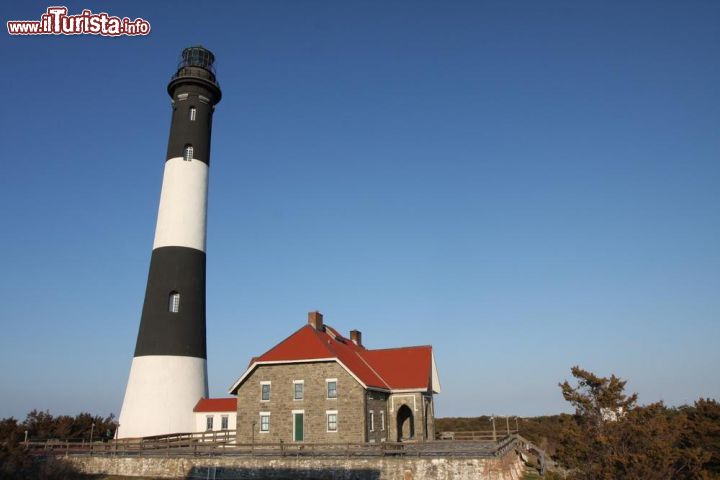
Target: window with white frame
x,y
382,420
331,416
193,114
331,384
298,389
264,422
264,391
188,153
208,422
371,421
174,302
224,422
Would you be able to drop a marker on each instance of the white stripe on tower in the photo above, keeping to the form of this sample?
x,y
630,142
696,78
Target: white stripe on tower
x,y
183,205
157,403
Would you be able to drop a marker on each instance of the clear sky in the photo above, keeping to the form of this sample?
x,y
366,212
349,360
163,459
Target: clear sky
x,y
526,186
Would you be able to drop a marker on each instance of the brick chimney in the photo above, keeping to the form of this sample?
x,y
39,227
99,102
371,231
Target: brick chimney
x,y
315,319
356,337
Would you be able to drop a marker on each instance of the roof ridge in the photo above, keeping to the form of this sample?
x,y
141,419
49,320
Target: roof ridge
x,y
397,348
337,335
277,344
329,346
373,370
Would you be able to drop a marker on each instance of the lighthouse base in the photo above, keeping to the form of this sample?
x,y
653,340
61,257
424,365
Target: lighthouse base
x,y
161,393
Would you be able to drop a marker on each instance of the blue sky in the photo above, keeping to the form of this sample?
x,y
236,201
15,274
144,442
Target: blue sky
x,y
526,186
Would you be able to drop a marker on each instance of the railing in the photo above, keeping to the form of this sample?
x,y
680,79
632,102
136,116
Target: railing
x,y
223,443
476,435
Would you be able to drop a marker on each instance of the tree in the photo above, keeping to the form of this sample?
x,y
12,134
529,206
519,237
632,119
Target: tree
x,y
703,433
613,438
597,399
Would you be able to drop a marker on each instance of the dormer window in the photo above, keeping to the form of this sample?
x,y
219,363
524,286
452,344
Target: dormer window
x,y
188,153
174,302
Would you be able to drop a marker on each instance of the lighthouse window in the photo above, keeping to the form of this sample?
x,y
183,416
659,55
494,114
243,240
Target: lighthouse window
x,y
188,153
174,304
192,114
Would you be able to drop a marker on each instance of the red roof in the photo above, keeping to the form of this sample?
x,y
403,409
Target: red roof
x,y
216,405
408,368
403,368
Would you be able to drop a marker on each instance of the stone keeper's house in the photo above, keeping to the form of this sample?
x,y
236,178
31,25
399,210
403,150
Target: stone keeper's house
x,y
317,386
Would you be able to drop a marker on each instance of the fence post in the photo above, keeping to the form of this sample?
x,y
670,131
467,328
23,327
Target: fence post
x,y
494,431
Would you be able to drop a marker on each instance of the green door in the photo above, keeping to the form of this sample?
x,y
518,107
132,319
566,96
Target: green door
x,y
299,434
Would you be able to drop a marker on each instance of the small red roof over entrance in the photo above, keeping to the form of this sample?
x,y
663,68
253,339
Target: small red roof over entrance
x,y
216,405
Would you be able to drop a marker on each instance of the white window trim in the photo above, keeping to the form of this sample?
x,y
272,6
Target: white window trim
x,y
327,421
269,392
295,382
193,114
264,414
372,420
382,420
327,381
212,423
226,418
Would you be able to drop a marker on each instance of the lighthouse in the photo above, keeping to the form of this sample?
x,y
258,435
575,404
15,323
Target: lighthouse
x,y
169,369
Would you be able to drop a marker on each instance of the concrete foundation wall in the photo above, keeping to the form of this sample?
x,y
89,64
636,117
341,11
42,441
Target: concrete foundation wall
x,y
508,467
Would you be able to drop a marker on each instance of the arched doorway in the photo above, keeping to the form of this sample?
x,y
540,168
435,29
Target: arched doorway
x,y
405,424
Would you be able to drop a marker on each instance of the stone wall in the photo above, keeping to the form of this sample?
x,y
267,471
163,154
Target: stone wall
x,y
350,404
429,416
377,403
508,467
423,419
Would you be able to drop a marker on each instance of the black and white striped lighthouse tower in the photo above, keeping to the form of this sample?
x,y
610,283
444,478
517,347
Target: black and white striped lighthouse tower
x,y
169,370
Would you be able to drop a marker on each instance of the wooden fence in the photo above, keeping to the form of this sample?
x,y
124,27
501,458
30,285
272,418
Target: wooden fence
x,y
476,435
224,443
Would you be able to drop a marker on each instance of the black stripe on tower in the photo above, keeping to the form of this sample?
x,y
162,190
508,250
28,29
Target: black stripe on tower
x,y
164,331
195,92
188,127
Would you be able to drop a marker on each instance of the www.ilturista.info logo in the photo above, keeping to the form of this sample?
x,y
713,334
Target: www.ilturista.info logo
x,y
56,21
